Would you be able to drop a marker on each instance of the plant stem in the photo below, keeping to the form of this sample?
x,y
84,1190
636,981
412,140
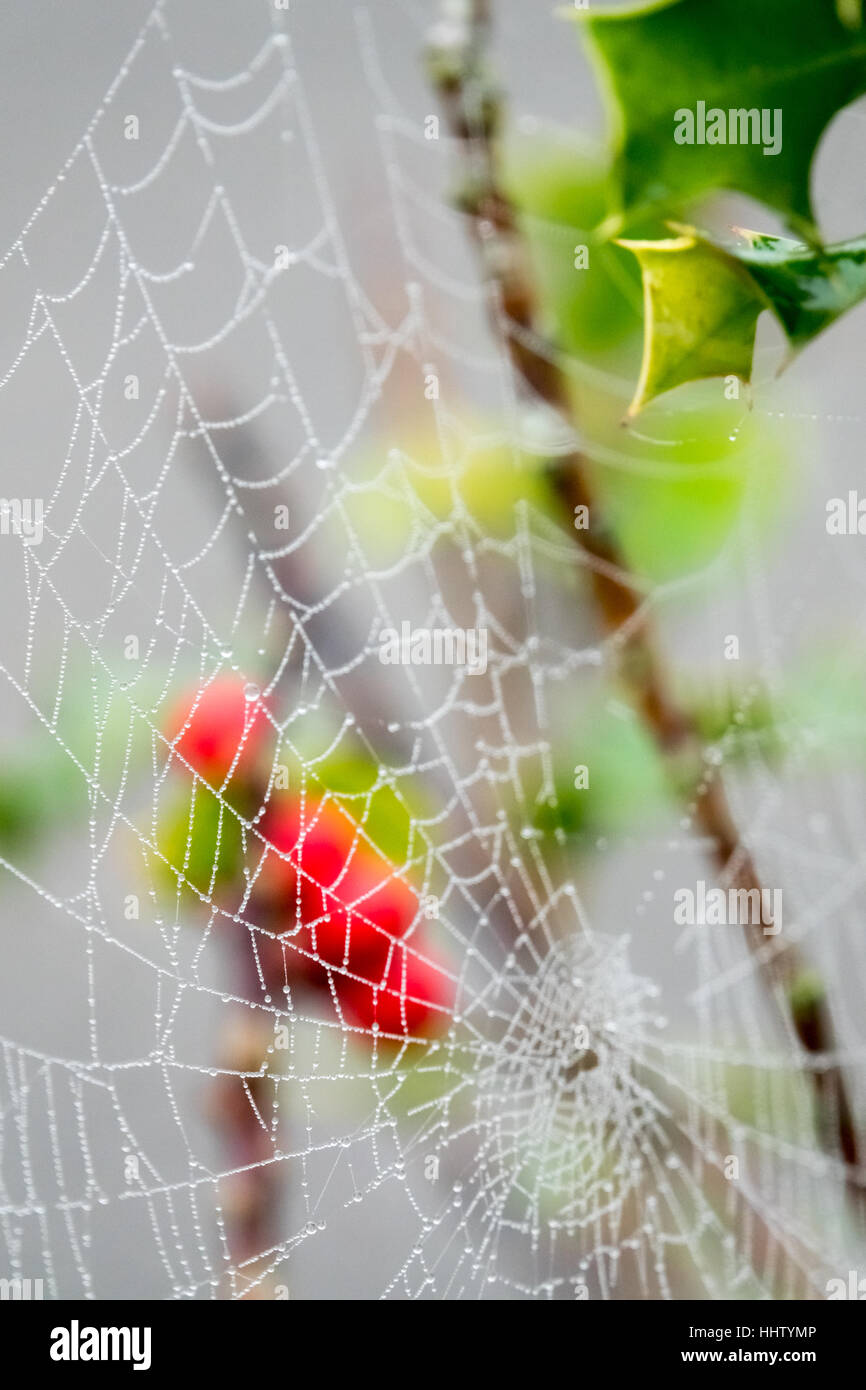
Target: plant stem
x,y
474,110
243,1115
250,1194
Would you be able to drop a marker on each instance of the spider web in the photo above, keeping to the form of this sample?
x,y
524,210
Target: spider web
x,y
242,305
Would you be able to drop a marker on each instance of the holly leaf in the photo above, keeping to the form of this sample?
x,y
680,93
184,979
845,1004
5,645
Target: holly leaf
x,y
700,314
702,301
806,287
805,59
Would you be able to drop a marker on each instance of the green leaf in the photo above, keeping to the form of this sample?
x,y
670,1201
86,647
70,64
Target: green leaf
x,y
700,313
807,288
804,58
703,301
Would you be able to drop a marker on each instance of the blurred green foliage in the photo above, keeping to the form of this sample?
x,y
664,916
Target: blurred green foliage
x,y
770,1100
628,781
675,491
745,726
37,791
200,843
350,778
406,494
560,186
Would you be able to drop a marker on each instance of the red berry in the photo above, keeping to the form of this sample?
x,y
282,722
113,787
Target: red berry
x,y
345,894
415,1001
219,730
316,836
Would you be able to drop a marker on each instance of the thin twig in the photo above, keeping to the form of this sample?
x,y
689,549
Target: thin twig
x,y
250,1193
474,110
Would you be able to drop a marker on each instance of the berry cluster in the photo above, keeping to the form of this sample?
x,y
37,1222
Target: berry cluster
x,y
339,920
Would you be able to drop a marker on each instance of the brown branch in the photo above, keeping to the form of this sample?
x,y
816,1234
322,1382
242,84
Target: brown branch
x,y
457,59
250,1192
241,1108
